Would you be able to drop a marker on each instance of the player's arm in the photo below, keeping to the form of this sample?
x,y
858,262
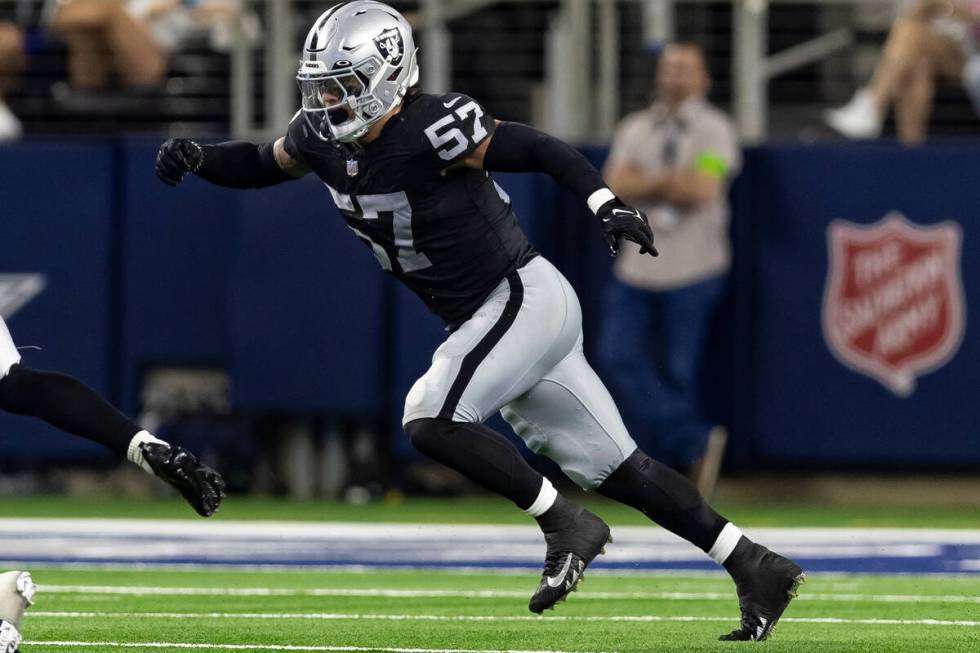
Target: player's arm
x,y
514,147
235,164
686,188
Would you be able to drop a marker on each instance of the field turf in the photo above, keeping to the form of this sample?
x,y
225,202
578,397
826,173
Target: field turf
x,y
438,612
126,609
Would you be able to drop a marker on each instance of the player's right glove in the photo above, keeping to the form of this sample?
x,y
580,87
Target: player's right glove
x,y
621,221
176,158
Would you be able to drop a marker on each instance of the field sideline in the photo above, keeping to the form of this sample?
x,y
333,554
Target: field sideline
x,y
657,597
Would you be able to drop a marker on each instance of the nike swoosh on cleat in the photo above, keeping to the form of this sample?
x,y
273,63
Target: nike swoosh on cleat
x,y
556,580
451,103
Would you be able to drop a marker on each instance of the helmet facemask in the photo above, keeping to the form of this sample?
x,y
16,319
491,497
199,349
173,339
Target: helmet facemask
x,y
355,69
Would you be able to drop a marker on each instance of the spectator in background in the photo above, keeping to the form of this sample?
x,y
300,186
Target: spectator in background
x,y
932,40
133,37
674,160
12,63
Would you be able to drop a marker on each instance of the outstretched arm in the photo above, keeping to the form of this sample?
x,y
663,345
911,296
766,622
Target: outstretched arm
x,y
514,147
235,164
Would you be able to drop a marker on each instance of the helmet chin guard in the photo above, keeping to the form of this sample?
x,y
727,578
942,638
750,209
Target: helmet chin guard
x,y
359,60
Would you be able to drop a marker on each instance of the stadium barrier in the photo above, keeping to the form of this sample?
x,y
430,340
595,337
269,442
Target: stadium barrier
x,y
837,343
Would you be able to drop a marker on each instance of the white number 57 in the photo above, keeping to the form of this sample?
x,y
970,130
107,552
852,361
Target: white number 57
x,y
454,136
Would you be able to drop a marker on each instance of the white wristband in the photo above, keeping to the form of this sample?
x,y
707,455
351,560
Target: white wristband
x,y
598,198
135,453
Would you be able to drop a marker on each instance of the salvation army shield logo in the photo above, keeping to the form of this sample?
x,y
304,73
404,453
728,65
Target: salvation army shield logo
x,y
893,307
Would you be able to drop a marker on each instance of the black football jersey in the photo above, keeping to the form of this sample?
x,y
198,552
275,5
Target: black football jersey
x,y
448,234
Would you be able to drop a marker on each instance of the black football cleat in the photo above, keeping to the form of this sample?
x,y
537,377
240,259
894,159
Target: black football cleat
x,y
200,485
571,548
766,582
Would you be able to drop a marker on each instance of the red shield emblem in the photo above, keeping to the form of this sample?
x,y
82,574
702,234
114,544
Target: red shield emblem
x,y
893,307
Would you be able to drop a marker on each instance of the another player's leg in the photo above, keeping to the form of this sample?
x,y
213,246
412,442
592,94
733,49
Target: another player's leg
x,y
570,417
499,353
68,404
16,595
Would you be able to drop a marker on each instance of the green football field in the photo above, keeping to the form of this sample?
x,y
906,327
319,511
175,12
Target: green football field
x,y
438,612
129,608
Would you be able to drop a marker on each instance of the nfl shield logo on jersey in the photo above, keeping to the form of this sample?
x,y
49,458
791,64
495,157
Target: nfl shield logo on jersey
x,y
893,306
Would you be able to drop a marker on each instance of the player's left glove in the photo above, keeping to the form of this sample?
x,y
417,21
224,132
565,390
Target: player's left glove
x,y
176,158
621,221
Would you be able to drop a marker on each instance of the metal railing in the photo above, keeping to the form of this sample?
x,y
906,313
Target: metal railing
x,y
587,63
581,84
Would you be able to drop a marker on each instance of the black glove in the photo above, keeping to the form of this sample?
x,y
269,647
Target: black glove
x,y
621,221
177,157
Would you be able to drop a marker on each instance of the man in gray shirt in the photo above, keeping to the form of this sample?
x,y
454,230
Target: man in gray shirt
x,y
674,160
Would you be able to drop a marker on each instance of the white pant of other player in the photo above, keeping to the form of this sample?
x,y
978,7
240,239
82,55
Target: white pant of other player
x,y
9,356
521,353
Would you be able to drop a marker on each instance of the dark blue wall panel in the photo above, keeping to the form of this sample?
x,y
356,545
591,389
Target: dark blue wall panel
x,y
307,314
176,264
56,218
273,286
805,406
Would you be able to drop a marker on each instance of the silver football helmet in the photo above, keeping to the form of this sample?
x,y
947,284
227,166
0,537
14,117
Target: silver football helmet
x,y
359,59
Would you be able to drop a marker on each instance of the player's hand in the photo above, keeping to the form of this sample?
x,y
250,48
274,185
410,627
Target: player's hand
x,y
621,221
176,158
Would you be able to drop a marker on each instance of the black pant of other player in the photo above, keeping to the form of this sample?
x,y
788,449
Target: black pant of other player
x,y
68,404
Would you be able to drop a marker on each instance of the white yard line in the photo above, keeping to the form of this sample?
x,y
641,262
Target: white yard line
x,y
313,616
481,594
271,647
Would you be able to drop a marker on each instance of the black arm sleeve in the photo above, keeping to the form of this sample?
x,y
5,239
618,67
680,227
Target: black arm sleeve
x,y
518,148
240,164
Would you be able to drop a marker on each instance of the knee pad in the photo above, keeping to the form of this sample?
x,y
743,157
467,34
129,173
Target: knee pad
x,y
425,433
16,595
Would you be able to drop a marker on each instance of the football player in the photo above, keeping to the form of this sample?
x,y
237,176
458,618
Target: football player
x,y
410,173
68,404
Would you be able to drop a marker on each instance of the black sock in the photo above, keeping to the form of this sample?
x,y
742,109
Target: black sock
x,y
562,513
67,404
666,497
743,555
480,454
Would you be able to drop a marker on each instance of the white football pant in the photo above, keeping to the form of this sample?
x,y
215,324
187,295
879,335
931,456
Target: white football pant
x,y
8,352
521,354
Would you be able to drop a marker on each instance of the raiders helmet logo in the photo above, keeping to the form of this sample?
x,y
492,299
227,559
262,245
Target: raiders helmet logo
x,y
894,306
390,45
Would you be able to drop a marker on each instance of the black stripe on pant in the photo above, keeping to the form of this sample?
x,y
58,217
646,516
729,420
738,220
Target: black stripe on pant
x,y
483,348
